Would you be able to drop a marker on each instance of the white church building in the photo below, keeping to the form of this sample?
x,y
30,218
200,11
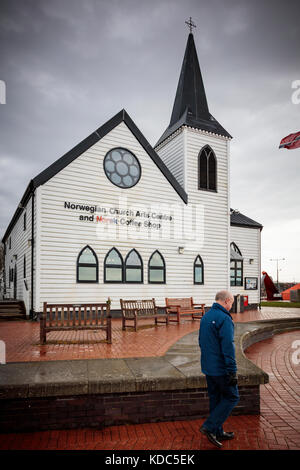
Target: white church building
x,y
115,217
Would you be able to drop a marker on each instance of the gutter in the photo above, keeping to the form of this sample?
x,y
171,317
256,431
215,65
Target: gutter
x,y
32,246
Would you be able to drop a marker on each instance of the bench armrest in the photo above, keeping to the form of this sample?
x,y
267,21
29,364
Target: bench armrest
x,y
173,310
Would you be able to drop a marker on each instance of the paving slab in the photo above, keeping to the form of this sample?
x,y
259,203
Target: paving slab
x,y
15,379
109,375
154,374
55,378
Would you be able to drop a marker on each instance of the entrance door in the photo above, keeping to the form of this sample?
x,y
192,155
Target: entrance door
x,y
15,282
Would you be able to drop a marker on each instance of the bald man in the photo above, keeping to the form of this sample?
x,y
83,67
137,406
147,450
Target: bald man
x,y
216,341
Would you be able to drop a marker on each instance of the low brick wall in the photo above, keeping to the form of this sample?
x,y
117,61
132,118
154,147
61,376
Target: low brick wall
x,y
37,414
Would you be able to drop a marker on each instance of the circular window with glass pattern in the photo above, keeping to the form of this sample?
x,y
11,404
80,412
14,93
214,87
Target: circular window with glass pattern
x,y
122,168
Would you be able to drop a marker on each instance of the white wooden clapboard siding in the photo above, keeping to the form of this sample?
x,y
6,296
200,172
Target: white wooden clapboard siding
x,y
215,248
248,242
172,154
215,204
62,235
214,251
20,247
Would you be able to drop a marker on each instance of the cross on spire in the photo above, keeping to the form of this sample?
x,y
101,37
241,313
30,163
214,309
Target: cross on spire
x,y
190,24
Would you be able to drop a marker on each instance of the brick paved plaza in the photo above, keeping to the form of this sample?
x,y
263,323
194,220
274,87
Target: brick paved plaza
x,y
277,427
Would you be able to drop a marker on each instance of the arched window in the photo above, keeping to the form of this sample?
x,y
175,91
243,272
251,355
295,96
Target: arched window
x,y
235,251
134,267
203,170
87,265
198,270
207,169
156,269
236,265
113,266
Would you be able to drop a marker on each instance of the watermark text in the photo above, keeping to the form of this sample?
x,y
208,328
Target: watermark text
x,y
2,352
296,93
2,92
296,354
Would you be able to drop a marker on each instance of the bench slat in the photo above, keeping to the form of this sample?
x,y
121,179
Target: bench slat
x,y
133,310
66,328
56,316
184,306
75,317
84,315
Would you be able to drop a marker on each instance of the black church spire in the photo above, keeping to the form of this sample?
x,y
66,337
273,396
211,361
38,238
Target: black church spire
x,y
190,90
190,106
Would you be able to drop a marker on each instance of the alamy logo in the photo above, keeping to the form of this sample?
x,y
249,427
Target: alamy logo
x,y
2,92
296,354
296,93
2,352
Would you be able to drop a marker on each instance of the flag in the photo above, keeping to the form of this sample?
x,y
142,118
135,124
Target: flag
x,y
292,141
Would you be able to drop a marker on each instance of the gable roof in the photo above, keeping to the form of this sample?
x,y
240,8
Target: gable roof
x,y
241,220
84,145
190,106
97,135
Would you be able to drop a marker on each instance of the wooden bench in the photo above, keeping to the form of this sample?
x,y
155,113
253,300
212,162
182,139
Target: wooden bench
x,y
65,317
184,306
134,310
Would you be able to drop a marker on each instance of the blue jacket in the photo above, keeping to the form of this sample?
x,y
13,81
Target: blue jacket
x,y
216,340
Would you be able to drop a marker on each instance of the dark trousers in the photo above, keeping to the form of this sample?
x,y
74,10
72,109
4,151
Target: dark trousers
x,y
222,399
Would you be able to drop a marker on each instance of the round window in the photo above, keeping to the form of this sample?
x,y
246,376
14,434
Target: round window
x,y
122,168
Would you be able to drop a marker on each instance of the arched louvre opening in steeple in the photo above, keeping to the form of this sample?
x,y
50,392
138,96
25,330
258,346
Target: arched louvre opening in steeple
x,y
207,169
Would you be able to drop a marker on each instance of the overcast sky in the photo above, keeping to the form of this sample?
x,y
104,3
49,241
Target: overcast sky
x,y
70,65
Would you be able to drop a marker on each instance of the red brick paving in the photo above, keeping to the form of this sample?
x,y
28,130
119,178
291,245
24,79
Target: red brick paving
x,y
22,341
280,398
277,428
252,433
22,338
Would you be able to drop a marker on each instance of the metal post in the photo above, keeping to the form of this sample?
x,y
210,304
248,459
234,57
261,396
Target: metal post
x,y
277,259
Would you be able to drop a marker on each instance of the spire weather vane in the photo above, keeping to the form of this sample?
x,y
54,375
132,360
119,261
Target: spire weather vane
x,y
190,24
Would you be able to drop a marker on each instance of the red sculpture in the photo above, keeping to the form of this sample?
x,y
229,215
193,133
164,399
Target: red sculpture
x,y
270,287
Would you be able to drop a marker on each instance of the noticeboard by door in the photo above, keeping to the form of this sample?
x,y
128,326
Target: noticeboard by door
x,y
251,283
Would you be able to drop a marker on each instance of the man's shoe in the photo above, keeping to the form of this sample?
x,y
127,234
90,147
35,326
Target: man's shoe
x,y
225,436
211,437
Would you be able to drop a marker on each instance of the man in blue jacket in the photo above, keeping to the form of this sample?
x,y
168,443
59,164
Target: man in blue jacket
x,y
216,341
